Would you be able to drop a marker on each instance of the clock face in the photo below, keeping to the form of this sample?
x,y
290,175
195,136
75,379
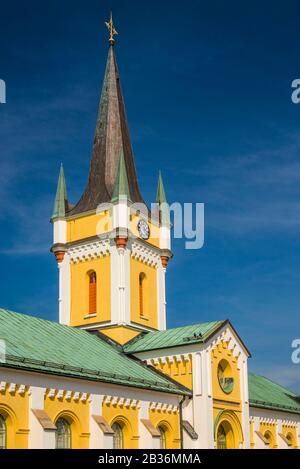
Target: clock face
x,y
144,229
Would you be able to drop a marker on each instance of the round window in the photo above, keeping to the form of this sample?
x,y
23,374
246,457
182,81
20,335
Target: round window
x,y
226,381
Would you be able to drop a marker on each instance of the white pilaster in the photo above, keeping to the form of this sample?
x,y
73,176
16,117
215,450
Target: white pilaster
x,y
114,282
121,215
98,439
202,401
147,441
161,296
64,305
121,286
165,237
245,403
59,231
38,438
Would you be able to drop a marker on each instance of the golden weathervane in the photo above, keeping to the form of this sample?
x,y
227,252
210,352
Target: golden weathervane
x,y
112,30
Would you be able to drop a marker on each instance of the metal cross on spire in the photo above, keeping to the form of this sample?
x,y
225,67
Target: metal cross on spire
x,y
112,30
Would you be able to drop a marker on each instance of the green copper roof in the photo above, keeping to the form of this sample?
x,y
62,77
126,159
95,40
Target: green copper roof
x,y
160,195
61,197
173,337
266,394
121,188
48,347
164,210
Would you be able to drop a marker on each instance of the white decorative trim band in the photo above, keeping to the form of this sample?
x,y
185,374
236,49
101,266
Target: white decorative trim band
x,y
85,252
144,254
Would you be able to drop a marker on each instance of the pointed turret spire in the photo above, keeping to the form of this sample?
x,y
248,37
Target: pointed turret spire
x,y
61,198
111,135
161,200
121,189
160,195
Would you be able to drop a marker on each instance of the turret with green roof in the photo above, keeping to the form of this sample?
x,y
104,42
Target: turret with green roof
x,y
61,198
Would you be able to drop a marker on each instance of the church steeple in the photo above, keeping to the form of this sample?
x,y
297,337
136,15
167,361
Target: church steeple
x,y
112,259
112,134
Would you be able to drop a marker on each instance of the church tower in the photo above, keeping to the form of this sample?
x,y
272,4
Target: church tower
x,y
112,252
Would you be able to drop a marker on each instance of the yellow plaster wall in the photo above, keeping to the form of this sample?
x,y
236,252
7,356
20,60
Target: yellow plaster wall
x,y
128,418
120,334
149,319
80,291
170,421
14,408
180,371
230,403
154,230
87,226
272,429
76,413
221,352
292,430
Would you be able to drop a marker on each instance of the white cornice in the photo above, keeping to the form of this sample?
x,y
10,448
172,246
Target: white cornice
x,y
87,251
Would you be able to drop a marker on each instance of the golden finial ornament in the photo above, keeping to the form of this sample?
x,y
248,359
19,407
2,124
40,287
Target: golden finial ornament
x,y
112,30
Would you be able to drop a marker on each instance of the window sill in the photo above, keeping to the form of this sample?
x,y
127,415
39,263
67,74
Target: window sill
x,y
145,318
89,316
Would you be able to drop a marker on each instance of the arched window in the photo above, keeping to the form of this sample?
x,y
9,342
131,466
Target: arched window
x,y
2,433
163,438
118,436
62,434
92,292
221,438
142,281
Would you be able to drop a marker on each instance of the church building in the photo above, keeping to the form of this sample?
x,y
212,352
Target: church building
x,y
109,374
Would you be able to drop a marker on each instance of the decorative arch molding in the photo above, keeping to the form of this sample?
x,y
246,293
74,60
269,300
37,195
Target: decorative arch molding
x,y
230,417
169,432
12,424
127,428
75,425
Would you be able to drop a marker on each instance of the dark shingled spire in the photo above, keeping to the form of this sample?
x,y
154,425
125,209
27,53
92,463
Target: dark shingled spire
x,y
112,134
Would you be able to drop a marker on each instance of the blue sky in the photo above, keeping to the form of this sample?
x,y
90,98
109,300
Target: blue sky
x,y
207,90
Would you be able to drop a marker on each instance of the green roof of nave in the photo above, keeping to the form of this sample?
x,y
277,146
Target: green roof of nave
x,y
38,345
173,337
266,394
35,344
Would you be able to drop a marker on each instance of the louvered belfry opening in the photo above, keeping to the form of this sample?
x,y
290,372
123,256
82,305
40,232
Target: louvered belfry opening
x,y
92,292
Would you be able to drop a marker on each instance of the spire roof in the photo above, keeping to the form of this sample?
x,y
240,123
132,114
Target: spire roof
x,y
61,198
161,200
121,189
112,134
160,195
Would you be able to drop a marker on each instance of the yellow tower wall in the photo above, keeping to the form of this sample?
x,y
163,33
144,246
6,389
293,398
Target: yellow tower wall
x,y
89,225
149,319
80,291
